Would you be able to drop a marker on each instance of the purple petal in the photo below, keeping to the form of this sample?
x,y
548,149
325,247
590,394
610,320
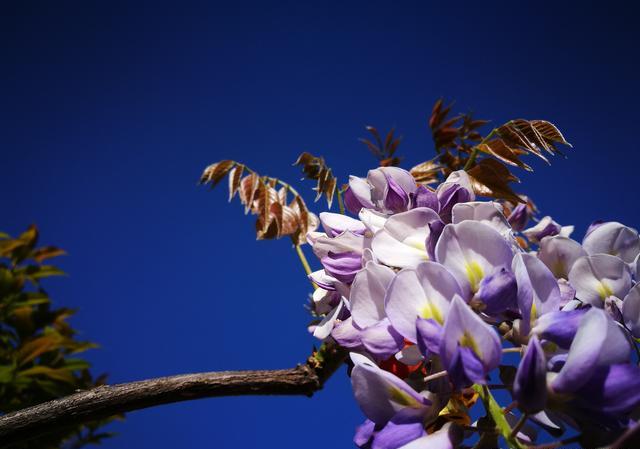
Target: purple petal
x,y
598,342
545,227
382,340
343,266
364,433
424,197
612,389
538,291
559,327
396,199
448,198
464,331
346,334
435,230
499,291
381,394
530,385
519,217
429,336
403,428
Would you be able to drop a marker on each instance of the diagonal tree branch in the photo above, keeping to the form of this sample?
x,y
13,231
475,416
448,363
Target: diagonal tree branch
x,y
109,400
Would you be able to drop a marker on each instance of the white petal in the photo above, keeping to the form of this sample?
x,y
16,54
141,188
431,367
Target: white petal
x,y
367,294
486,212
373,220
631,310
599,276
559,254
471,250
615,239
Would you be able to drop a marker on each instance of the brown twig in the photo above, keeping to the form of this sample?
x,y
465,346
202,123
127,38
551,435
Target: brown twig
x,y
109,400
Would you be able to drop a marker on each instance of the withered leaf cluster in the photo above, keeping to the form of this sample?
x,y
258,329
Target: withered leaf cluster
x,y
276,215
383,150
315,168
460,145
454,137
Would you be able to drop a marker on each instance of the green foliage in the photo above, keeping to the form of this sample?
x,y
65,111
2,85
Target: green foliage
x,y
38,347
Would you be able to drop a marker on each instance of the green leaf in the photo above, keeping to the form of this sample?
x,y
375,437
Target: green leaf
x,y
43,271
7,373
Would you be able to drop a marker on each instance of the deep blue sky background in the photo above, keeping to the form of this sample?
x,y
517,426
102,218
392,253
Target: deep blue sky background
x,y
109,111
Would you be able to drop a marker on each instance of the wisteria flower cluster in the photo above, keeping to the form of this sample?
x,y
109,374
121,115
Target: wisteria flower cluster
x,y
443,300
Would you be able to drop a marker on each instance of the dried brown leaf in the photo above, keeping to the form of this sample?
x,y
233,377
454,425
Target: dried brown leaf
x,y
315,168
215,172
491,178
426,172
499,149
235,175
549,131
248,187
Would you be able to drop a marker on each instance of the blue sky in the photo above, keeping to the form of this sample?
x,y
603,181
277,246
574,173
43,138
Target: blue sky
x,y
110,111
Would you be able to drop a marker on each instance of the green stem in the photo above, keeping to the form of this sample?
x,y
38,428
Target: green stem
x,y
495,411
474,152
340,201
305,263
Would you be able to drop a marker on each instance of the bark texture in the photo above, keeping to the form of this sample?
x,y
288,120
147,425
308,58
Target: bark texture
x,y
109,400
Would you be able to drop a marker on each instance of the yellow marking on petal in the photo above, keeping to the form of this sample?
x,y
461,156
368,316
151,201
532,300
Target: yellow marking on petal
x,y
402,398
604,290
415,242
534,311
474,274
430,311
559,269
467,341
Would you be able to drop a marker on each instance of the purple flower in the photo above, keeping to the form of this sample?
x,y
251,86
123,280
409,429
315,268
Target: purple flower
x,y
599,342
546,227
615,239
423,197
559,254
402,242
470,348
471,250
489,213
498,291
597,277
336,224
530,384
631,311
538,291
519,217
560,326
456,189
386,189
381,394
424,292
